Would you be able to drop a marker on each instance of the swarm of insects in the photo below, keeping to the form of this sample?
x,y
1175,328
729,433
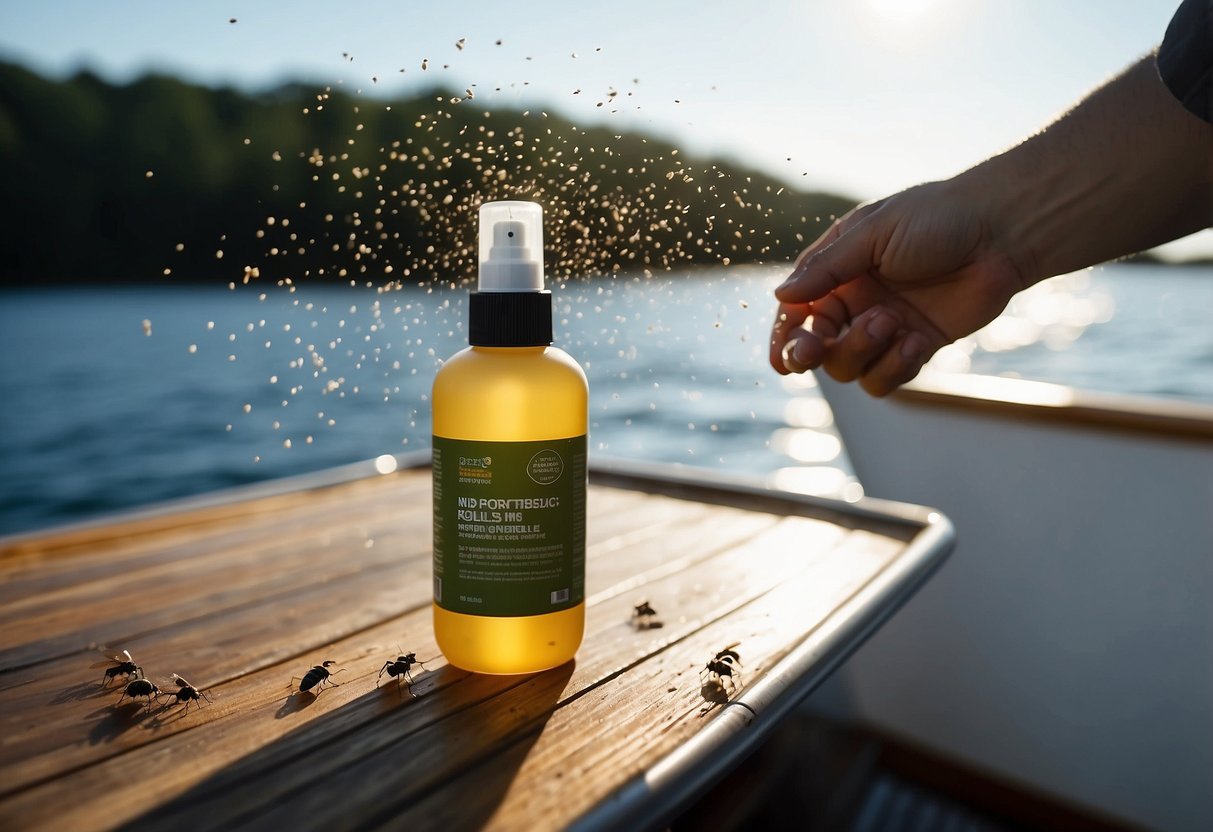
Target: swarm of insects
x,y
724,665
644,617
319,675
118,664
400,669
140,687
187,693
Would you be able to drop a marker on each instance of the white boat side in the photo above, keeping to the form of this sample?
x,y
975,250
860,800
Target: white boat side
x,y
1069,642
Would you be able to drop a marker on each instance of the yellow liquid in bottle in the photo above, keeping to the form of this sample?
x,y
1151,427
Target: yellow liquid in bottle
x,y
510,394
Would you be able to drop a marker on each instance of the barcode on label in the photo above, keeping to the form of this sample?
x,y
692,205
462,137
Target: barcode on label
x,y
560,596
438,589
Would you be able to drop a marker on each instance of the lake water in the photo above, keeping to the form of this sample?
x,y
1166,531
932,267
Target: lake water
x,y
119,397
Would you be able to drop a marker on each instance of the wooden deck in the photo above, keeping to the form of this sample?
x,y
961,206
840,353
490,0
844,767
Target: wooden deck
x,y
241,595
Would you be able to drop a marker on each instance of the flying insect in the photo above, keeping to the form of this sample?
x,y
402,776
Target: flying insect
x,y
118,664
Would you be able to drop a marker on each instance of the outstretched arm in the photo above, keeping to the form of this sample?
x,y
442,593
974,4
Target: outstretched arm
x,y
893,281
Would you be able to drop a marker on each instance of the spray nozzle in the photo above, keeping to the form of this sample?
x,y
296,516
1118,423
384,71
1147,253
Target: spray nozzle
x,y
511,247
508,234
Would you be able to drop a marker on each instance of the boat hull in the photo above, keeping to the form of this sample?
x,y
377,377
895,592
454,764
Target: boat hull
x,y
1069,643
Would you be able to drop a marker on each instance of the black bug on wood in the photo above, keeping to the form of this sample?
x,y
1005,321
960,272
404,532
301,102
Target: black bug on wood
x,y
320,675
724,665
729,656
187,693
400,669
140,687
118,664
644,617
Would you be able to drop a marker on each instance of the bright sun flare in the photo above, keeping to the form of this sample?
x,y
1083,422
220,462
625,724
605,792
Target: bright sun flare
x,y
900,10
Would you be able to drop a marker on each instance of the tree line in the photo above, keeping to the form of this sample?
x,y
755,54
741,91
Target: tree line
x,y
160,180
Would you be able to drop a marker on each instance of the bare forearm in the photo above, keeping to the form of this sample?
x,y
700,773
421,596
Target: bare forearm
x,y
1125,170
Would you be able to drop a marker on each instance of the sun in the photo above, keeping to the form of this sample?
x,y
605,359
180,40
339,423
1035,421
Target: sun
x,y
900,10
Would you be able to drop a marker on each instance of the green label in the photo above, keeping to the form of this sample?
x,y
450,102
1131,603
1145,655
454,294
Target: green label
x,y
509,526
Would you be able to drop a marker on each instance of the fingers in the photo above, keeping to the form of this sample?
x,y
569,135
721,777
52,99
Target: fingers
x,y
899,364
830,317
858,326
839,227
878,351
821,267
829,236
799,349
802,353
787,328
876,348
863,345
847,253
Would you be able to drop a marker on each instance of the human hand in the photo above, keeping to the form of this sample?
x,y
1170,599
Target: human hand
x,y
889,284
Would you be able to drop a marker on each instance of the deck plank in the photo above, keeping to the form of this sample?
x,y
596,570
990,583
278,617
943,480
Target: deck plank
x,y
139,553
345,575
224,647
626,724
115,609
258,719
128,548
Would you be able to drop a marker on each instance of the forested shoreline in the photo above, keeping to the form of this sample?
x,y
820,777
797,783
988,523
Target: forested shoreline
x,y
160,180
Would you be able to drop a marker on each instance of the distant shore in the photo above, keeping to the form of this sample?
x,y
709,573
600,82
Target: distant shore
x,y
160,179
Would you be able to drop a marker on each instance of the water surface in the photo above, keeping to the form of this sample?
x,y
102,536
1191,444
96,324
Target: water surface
x,y
119,397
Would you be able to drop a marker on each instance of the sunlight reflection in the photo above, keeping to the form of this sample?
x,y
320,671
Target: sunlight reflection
x,y
954,358
798,381
1053,314
820,481
1008,333
805,412
1012,390
806,445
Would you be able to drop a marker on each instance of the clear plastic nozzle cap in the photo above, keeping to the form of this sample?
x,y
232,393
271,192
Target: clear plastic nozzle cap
x,y
511,247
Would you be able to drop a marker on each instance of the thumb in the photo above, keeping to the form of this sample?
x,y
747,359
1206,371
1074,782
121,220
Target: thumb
x,y
849,256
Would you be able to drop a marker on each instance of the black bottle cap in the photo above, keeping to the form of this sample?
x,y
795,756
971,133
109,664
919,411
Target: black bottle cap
x,y
510,319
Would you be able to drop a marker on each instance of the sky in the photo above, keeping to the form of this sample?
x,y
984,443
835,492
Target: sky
x,y
864,97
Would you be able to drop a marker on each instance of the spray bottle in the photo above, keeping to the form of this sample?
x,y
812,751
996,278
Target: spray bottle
x,y
509,461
